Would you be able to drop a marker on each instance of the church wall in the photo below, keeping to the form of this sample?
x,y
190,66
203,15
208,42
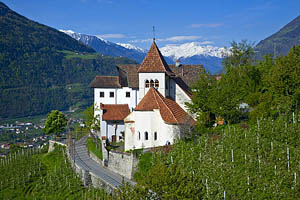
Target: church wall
x,y
122,99
105,100
151,122
148,76
130,135
181,98
108,129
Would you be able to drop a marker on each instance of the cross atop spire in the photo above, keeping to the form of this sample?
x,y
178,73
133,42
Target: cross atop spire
x,y
153,33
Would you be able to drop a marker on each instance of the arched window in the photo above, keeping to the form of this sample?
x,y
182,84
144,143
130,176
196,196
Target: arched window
x,y
139,136
146,135
156,84
151,83
155,135
147,84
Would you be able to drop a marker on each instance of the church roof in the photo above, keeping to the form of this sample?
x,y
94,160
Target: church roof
x,y
106,82
154,62
169,110
114,112
129,76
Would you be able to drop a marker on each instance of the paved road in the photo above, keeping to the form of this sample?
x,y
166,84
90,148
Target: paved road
x,y
83,160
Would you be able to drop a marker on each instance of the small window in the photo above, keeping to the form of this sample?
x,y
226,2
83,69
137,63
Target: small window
x,y
151,83
167,84
146,135
139,136
156,84
147,83
101,94
111,94
155,135
127,94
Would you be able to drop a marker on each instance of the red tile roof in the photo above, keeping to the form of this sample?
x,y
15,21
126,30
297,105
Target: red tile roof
x,y
169,110
106,82
114,112
154,62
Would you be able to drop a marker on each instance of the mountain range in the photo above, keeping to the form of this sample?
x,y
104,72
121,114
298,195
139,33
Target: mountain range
x,y
107,48
188,53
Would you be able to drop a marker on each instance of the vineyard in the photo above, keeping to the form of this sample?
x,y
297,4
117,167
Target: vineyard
x,y
234,162
35,174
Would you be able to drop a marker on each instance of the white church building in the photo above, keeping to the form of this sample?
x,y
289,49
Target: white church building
x,y
145,104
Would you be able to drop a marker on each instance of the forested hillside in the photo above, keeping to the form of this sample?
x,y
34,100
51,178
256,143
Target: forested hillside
x,y
280,42
43,69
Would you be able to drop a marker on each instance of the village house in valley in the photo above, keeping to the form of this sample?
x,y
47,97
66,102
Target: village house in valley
x,y
145,104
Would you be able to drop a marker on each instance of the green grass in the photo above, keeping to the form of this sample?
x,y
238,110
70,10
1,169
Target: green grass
x,y
145,163
92,147
87,56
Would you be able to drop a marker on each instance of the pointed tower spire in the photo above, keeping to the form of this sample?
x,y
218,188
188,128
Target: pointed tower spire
x,y
154,62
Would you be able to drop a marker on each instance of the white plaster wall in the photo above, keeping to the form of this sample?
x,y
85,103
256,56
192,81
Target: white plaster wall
x,y
181,98
151,122
161,77
105,100
108,129
129,131
122,99
119,98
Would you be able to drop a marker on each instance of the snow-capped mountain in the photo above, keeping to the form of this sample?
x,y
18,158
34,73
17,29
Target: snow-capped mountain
x,y
192,49
188,53
107,48
130,46
194,53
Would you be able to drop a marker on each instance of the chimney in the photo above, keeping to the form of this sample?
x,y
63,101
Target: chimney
x,y
177,64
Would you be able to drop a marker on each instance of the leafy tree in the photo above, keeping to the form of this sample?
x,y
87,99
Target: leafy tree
x,y
91,121
240,54
201,104
284,81
55,123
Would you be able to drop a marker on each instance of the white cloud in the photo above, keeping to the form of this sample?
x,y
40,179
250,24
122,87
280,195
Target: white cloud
x,y
112,36
180,38
205,25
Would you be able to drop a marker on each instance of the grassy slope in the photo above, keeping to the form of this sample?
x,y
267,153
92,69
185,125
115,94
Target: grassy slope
x,y
93,148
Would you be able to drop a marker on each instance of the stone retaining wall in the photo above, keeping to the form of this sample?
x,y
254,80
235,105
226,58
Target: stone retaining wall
x,y
122,163
95,158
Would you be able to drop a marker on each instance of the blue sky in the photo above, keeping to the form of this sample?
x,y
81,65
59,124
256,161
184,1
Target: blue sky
x,y
130,21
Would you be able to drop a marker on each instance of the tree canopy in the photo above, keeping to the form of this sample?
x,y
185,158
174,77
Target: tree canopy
x,y
268,88
55,123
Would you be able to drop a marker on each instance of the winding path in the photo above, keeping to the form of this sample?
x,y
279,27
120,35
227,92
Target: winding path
x,y
83,160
